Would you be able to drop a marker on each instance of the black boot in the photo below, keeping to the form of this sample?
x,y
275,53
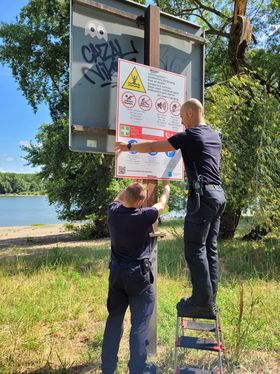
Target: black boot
x,y
187,308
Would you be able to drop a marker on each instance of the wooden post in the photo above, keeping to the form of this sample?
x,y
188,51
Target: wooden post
x,y
152,58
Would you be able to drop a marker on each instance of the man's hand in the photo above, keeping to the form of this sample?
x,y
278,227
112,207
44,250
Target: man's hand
x,y
121,147
166,184
161,205
145,147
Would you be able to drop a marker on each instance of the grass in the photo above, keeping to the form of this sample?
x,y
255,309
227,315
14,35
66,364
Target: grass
x,y
53,305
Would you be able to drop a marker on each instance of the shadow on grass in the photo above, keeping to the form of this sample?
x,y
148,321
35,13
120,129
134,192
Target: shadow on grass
x,y
91,365
30,241
84,368
164,363
82,260
239,259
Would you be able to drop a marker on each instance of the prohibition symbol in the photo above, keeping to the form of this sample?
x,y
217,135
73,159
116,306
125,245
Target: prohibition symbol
x,y
128,99
161,105
133,82
145,102
175,108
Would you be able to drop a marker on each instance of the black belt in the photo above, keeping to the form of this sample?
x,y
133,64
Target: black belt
x,y
145,264
209,187
212,187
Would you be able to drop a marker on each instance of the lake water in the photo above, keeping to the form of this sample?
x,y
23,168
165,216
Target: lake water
x,y
26,211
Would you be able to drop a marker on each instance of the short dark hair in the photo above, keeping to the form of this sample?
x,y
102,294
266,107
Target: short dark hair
x,y
135,192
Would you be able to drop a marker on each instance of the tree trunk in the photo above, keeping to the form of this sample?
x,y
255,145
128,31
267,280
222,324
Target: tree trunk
x,y
229,222
240,36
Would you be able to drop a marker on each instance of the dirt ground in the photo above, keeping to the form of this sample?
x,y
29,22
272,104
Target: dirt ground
x,y
34,235
45,235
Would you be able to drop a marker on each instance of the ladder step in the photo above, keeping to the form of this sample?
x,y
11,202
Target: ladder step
x,y
198,326
197,314
198,343
193,371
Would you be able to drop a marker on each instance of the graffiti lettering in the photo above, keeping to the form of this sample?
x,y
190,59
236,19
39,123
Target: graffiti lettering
x,y
104,57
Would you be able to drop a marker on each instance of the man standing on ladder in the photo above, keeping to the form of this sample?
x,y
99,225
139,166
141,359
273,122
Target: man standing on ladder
x,y
201,151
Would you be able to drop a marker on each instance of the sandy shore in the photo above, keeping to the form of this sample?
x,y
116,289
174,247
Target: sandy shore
x,y
45,235
33,235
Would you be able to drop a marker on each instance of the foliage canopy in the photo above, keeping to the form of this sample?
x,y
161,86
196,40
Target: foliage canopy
x,y
243,106
14,183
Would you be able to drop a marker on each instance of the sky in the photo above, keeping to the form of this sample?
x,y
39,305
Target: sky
x,y
18,123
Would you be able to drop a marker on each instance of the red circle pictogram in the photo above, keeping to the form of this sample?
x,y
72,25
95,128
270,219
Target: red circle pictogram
x,y
175,108
128,99
145,103
161,105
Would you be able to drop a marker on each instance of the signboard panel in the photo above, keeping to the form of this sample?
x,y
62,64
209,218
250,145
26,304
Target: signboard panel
x,y
101,33
149,103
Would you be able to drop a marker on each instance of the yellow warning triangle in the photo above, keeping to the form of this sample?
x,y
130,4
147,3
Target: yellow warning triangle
x,y
133,82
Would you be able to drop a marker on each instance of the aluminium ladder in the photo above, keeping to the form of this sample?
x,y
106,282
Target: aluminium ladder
x,y
200,324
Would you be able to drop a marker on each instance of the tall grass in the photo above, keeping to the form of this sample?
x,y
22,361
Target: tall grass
x,y
53,305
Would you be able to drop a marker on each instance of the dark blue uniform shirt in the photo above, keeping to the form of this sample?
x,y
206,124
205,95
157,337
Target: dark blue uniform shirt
x,y
129,231
201,150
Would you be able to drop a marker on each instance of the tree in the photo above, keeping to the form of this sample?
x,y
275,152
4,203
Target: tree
x,y
218,20
19,183
78,182
36,49
245,114
5,186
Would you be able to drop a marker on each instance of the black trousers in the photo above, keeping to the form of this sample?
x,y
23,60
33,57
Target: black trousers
x,y
128,286
200,236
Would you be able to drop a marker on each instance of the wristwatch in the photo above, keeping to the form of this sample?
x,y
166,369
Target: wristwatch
x,y
129,146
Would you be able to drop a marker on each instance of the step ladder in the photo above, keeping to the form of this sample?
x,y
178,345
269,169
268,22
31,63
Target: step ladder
x,y
199,324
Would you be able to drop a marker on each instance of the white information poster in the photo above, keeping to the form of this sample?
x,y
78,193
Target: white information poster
x,y
148,109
